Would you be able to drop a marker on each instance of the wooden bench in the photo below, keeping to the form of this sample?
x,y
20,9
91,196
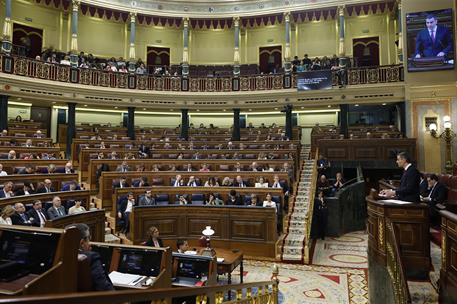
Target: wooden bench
x,y
10,165
285,154
213,164
166,178
58,179
21,151
20,141
26,132
94,219
46,198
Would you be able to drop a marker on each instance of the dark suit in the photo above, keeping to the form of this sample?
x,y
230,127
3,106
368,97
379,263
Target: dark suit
x,y
118,185
146,201
150,243
234,201
53,213
409,186
43,190
240,185
427,48
2,194
438,194
100,280
35,218
23,219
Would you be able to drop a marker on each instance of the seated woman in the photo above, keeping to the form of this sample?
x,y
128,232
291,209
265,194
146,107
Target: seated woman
x,y
268,202
5,215
261,183
77,208
153,238
213,200
226,182
211,182
254,201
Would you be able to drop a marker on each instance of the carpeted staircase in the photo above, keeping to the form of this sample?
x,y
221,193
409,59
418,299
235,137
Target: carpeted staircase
x,y
295,224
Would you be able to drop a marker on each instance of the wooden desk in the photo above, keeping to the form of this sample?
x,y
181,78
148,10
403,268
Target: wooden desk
x,y
57,179
448,273
82,195
250,229
232,259
9,165
94,219
107,179
411,222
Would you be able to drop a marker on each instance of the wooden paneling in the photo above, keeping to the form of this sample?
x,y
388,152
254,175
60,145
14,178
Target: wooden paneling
x,y
94,219
251,229
411,224
366,149
448,273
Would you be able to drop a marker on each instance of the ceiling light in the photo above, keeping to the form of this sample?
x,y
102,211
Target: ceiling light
x,y
384,103
329,106
116,107
85,105
357,105
144,109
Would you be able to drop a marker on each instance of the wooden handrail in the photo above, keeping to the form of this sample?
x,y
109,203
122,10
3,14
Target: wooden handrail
x,y
158,295
395,267
309,216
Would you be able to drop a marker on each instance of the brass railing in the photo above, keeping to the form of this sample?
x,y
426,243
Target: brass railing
x,y
249,293
29,67
309,215
395,266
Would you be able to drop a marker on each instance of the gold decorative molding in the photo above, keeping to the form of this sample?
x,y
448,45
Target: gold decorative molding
x,y
381,234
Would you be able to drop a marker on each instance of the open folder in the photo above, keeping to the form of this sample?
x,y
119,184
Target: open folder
x,y
119,278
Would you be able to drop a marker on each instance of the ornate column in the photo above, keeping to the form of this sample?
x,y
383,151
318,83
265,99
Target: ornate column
x,y
3,112
236,50
74,34
132,42
344,116
236,125
400,32
185,51
131,122
71,126
341,47
287,64
185,124
7,30
288,111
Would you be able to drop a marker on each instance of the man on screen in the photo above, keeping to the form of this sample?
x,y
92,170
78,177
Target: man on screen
x,y
434,41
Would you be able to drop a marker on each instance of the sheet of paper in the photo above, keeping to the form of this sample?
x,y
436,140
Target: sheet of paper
x,y
396,202
220,260
119,278
190,252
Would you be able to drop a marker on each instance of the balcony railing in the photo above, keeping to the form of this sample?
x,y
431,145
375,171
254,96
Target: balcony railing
x,y
28,67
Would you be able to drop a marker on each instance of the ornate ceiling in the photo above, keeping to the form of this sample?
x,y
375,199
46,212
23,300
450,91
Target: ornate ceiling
x,y
218,8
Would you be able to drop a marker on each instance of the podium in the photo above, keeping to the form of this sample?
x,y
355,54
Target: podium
x,y
400,230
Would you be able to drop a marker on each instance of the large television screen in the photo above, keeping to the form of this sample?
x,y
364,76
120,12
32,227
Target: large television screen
x,y
430,40
314,80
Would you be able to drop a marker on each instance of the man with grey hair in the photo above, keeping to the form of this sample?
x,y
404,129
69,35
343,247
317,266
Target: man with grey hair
x,y
100,279
20,217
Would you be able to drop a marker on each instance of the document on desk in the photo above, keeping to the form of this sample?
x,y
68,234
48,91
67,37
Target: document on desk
x,y
220,260
119,278
398,202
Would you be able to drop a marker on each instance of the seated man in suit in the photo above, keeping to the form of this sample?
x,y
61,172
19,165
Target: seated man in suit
x,y
7,190
437,195
121,183
434,40
36,215
234,199
20,217
100,279
69,168
192,182
147,199
123,167
239,182
46,187
142,182
178,181
182,245
57,210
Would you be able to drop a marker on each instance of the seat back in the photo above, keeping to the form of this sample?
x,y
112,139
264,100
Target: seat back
x,y
198,199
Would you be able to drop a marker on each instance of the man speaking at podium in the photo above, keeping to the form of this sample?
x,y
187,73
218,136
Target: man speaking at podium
x,y
409,183
433,41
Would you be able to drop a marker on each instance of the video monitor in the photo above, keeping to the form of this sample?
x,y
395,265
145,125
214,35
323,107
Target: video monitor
x,y
140,261
33,251
191,266
430,40
106,254
314,80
